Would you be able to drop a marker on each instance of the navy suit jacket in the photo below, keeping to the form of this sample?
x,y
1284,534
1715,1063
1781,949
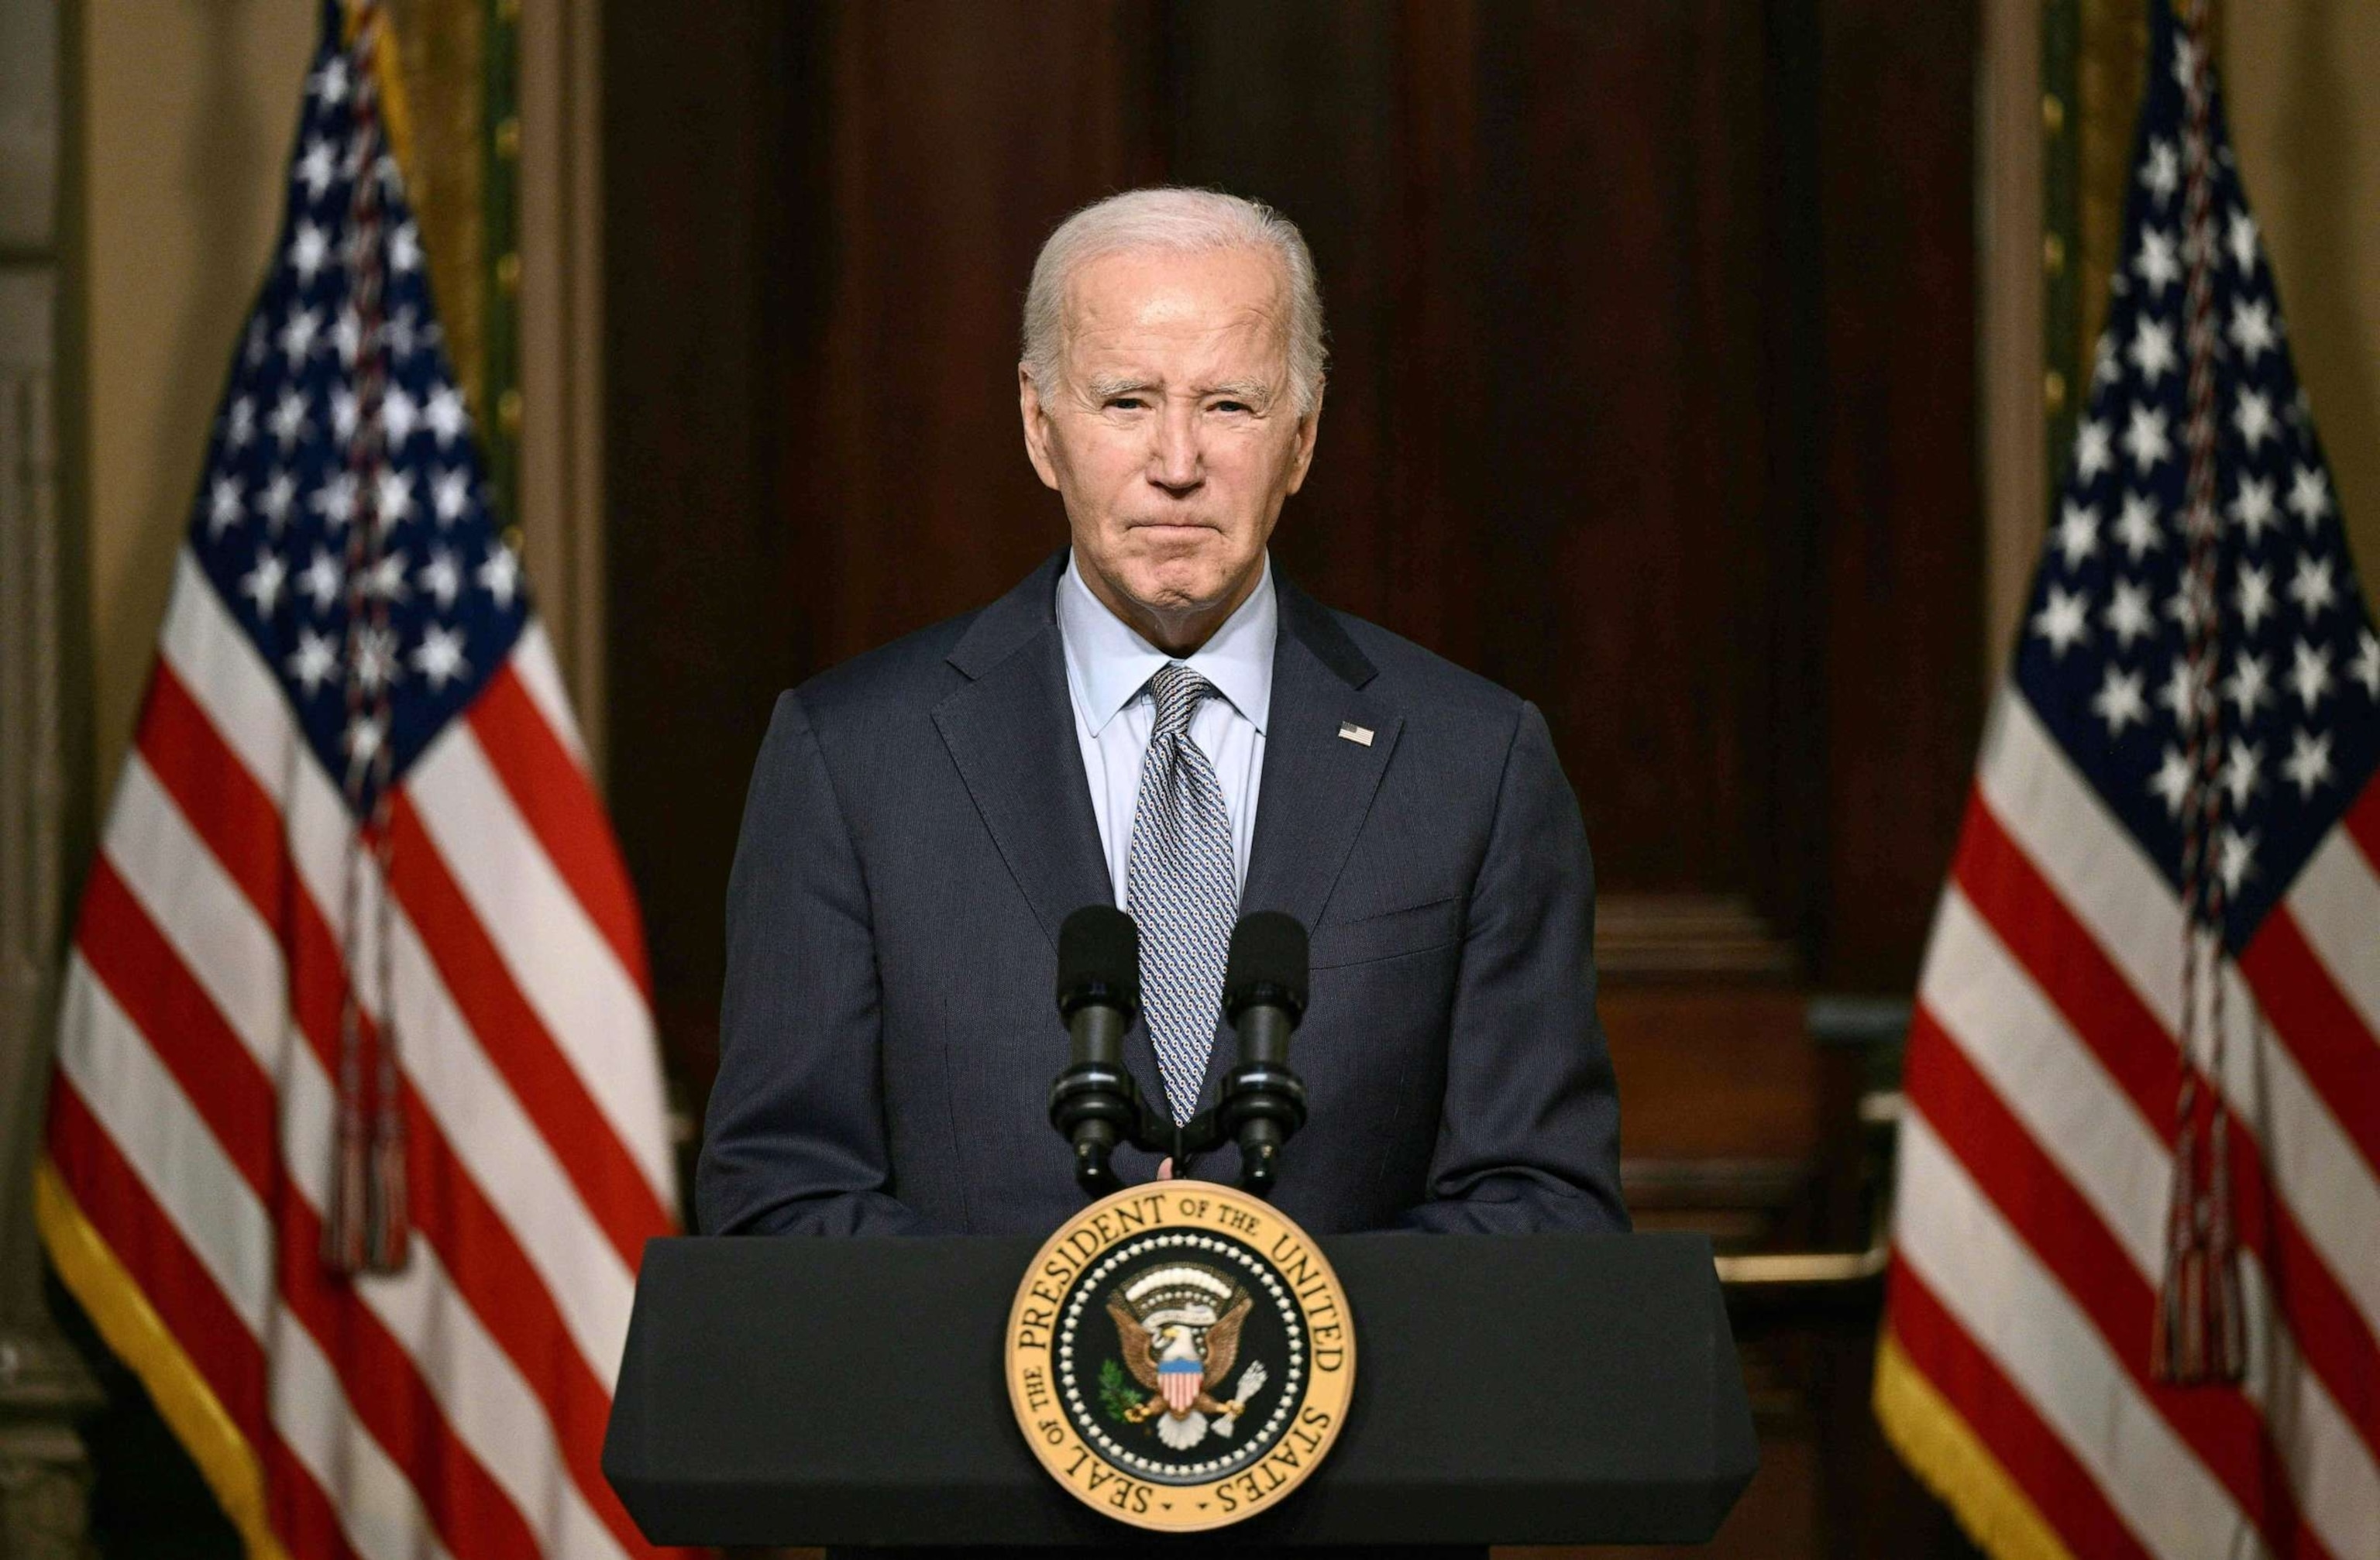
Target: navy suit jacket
x,y
919,824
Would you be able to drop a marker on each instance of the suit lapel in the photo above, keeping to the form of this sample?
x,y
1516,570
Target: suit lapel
x,y
1318,785
1010,733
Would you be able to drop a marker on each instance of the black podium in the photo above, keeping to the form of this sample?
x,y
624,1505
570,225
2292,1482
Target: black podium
x,y
1539,1389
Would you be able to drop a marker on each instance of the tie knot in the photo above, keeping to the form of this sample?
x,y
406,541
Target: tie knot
x,y
1177,690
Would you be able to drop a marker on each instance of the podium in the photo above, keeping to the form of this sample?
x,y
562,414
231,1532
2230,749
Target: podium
x,y
1509,1389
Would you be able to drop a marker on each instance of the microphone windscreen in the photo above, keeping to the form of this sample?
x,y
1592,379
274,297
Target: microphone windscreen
x,y
1099,959
1268,952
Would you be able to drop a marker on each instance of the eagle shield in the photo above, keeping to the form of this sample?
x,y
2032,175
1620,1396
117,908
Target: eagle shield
x,y
1179,1380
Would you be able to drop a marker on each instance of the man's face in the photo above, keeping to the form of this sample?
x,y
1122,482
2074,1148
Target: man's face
x,y
1173,435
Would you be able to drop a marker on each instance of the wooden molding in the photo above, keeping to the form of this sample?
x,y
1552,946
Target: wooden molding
x,y
33,756
1668,936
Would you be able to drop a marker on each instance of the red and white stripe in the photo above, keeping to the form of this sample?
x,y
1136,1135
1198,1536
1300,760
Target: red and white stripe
x,y
2036,1167
456,1408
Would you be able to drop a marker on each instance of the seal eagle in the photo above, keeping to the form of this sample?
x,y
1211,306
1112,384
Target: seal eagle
x,y
1179,1329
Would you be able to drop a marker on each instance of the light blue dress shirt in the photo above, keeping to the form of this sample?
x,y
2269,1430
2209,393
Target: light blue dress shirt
x,y
1107,669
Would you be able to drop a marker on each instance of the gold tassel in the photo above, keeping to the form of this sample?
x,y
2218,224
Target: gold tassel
x,y
390,1229
343,1210
2200,1334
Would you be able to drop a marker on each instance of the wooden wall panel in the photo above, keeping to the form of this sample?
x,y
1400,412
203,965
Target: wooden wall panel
x,y
701,109
1899,478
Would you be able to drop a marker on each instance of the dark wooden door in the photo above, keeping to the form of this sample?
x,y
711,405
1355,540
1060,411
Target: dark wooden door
x,y
1652,397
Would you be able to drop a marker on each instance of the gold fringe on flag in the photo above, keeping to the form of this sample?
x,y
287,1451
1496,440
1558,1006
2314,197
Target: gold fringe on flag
x,y
139,1336
1948,1458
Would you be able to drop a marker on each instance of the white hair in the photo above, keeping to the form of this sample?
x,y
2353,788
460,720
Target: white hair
x,y
1181,220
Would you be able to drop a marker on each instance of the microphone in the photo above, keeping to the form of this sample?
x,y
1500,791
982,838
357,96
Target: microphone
x,y
1264,994
1095,1102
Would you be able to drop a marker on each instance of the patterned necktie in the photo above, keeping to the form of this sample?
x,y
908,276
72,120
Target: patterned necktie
x,y
1181,888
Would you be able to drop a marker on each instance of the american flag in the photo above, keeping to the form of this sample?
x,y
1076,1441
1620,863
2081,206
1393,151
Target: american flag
x,y
355,889
2164,914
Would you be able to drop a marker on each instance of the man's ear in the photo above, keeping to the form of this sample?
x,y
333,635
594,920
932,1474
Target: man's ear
x,y
1038,430
1309,428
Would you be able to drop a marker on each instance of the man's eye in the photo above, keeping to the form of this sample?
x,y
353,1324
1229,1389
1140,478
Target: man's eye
x,y
1126,402
1231,406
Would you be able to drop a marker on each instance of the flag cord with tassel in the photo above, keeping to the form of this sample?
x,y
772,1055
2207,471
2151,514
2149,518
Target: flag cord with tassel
x,y
365,1223
2198,1333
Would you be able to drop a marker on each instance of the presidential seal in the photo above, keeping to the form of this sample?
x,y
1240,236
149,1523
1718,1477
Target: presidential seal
x,y
1180,1356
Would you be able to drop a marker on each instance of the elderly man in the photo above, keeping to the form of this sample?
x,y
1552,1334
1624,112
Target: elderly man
x,y
1155,718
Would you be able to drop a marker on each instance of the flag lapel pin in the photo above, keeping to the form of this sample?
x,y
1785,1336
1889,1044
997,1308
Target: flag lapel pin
x,y
1360,735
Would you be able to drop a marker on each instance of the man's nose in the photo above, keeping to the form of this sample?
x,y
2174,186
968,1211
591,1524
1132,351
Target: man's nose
x,y
1174,462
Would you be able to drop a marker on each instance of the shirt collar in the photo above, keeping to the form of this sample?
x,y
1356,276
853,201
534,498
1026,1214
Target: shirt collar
x,y
1107,662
